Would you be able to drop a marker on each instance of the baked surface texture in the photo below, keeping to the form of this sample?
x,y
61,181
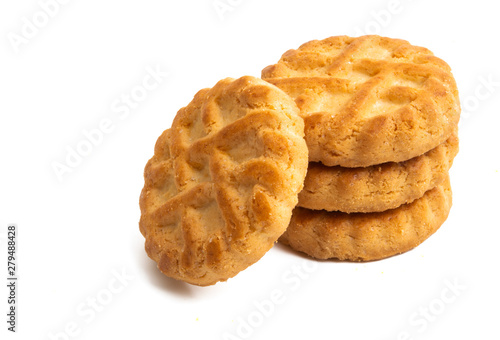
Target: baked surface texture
x,y
368,236
368,100
223,181
378,187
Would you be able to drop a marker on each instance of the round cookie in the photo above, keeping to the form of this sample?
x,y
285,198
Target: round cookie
x,y
223,181
368,236
368,100
377,187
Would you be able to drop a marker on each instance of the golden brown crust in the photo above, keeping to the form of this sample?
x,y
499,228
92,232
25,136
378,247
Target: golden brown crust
x,y
377,187
368,100
368,236
223,181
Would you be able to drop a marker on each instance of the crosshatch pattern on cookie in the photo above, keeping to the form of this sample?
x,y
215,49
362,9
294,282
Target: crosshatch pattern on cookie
x,y
224,179
368,100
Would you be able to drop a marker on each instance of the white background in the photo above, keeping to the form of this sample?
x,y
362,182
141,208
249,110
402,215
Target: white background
x,y
76,235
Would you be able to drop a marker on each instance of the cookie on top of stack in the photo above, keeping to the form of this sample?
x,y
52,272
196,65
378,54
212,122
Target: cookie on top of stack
x,y
381,120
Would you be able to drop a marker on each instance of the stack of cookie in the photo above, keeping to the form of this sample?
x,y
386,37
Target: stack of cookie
x,y
371,120
381,121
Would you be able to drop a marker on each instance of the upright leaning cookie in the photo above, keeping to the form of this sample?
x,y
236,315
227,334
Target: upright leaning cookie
x,y
368,236
368,100
223,181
